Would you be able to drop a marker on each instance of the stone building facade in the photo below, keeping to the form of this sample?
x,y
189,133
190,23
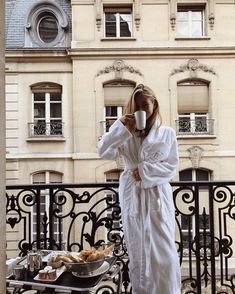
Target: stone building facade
x,y
71,66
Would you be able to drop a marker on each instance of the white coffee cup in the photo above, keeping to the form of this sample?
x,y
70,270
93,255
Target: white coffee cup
x,y
140,119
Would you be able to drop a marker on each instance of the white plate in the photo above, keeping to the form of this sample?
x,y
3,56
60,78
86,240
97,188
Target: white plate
x,y
99,271
58,273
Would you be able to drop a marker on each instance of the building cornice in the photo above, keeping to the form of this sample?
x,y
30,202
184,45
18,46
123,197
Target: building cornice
x,y
128,53
45,55
153,52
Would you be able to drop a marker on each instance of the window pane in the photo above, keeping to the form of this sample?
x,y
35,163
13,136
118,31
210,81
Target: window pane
x,y
125,25
110,17
39,178
197,15
197,29
182,28
55,110
55,96
111,111
110,29
202,175
39,110
124,30
48,29
39,96
182,16
110,25
185,175
109,122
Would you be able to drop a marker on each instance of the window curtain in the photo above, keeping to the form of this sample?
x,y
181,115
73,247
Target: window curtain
x,y
117,95
193,98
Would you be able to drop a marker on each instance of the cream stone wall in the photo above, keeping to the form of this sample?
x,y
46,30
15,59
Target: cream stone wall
x,y
154,56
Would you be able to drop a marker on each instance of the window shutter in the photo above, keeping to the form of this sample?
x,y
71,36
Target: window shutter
x,y
193,98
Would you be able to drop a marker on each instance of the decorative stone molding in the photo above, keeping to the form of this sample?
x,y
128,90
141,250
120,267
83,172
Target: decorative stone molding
x,y
137,14
118,67
211,14
195,154
173,21
98,15
211,20
173,11
38,11
193,66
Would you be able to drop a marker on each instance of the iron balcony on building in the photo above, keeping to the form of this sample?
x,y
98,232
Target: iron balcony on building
x,y
42,129
186,126
76,216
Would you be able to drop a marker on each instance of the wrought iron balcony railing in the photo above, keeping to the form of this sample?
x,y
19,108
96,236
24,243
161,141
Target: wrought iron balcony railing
x,y
186,126
72,217
42,129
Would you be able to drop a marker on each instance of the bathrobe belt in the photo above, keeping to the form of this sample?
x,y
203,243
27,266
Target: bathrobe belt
x,y
138,208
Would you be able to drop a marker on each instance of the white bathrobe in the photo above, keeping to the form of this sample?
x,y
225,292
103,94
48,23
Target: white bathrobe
x,y
148,214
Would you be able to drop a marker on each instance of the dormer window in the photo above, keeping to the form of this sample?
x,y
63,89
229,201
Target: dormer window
x,y
47,26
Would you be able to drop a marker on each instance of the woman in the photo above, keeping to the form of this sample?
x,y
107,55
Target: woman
x,y
148,216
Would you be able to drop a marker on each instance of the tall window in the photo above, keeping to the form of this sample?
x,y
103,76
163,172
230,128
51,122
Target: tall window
x,y
193,108
190,21
46,177
118,22
111,114
47,110
116,95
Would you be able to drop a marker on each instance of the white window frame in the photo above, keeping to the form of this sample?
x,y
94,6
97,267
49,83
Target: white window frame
x,y
193,116
47,102
117,12
190,9
105,123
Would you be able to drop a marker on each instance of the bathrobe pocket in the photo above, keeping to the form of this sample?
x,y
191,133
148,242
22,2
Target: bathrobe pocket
x,y
156,152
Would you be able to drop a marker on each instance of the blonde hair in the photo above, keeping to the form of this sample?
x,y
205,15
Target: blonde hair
x,y
144,91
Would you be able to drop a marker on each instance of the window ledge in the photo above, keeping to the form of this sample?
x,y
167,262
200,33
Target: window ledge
x,y
118,39
199,136
46,139
203,38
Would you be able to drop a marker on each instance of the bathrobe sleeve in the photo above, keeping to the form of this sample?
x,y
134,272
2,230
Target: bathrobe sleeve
x,y
160,172
110,145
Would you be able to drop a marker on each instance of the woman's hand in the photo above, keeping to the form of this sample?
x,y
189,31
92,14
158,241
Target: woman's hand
x,y
128,120
136,175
